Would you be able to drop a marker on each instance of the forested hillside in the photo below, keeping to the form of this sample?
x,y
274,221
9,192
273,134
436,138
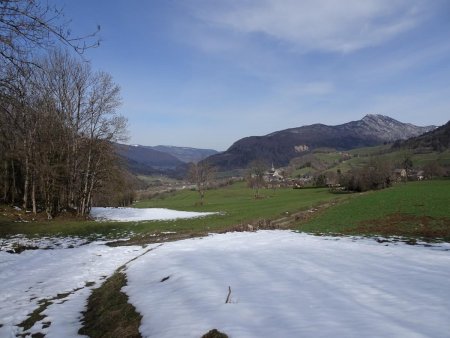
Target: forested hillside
x,y
282,146
436,140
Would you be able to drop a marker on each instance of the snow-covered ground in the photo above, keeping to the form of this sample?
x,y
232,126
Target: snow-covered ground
x,y
144,214
9,244
36,275
283,284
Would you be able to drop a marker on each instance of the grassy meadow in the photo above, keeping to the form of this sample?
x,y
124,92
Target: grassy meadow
x,y
333,160
415,209
235,204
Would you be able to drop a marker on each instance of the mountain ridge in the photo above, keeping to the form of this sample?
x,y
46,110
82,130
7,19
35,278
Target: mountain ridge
x,y
185,154
281,146
435,140
141,159
167,160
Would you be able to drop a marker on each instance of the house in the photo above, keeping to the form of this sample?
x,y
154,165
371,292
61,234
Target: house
x,y
400,174
418,175
274,175
274,178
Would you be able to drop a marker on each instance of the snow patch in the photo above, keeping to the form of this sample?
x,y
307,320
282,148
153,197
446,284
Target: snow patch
x,y
285,284
282,284
11,244
43,274
144,214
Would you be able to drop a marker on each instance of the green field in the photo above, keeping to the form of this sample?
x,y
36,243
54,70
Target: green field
x,y
362,156
235,205
416,209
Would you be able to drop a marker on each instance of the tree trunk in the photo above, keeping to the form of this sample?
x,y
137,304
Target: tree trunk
x,y
86,185
202,195
13,188
6,183
26,183
33,195
89,198
48,204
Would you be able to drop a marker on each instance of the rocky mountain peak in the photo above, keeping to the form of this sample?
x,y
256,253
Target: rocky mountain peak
x,y
379,119
386,127
281,146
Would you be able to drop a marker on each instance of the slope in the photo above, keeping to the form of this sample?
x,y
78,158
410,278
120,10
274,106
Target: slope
x,y
281,146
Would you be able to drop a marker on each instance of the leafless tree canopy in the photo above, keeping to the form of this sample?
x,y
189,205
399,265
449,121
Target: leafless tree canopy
x,y
201,174
375,175
57,127
255,176
58,117
29,26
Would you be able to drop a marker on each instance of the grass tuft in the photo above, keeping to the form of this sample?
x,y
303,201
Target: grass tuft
x,y
109,314
36,315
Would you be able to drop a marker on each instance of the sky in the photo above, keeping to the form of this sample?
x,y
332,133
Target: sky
x,y
205,73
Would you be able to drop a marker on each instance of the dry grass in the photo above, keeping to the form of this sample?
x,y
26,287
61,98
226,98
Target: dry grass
x,y
109,314
398,224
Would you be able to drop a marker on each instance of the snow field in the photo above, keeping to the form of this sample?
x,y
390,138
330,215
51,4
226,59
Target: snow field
x,y
43,274
285,284
144,214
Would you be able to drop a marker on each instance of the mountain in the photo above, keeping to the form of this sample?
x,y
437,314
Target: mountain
x,y
186,154
281,146
168,160
435,140
147,161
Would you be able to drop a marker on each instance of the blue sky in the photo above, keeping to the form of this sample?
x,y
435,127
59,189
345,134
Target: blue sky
x,y
204,73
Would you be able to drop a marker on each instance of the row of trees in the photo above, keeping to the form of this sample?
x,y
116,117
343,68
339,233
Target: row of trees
x,y
377,174
58,122
58,117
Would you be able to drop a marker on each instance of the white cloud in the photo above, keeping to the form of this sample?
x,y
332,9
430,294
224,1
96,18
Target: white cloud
x,y
329,25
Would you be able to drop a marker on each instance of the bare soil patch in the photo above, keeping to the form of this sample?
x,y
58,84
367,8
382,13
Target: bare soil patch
x,y
399,224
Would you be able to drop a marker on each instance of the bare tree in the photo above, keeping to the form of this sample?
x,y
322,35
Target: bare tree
x,y
27,26
57,132
201,174
58,118
433,169
255,176
376,174
407,164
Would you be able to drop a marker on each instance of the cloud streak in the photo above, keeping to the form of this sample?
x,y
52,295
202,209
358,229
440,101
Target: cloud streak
x,y
318,25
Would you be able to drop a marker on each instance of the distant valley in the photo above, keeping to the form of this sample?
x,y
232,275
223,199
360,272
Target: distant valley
x,y
169,160
279,147
185,154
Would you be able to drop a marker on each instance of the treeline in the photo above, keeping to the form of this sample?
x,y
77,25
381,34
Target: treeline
x,y
435,140
58,118
57,124
377,174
